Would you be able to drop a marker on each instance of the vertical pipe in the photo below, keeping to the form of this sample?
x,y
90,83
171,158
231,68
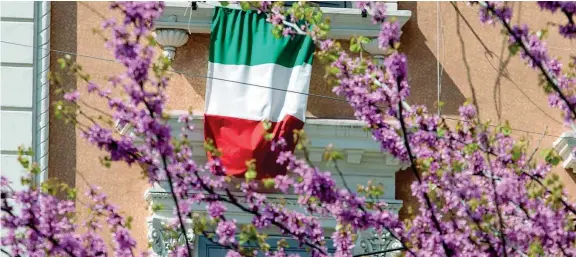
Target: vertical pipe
x,y
42,86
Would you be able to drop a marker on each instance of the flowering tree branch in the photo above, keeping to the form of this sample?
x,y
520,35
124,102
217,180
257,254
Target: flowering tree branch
x,y
480,193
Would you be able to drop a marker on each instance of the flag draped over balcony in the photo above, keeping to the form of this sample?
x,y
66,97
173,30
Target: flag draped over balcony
x,y
254,77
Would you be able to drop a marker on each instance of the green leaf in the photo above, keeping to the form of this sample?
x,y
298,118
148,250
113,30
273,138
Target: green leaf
x,y
427,162
71,193
268,136
269,183
514,49
24,162
266,124
355,45
363,40
440,132
157,207
129,220
245,5
283,243
535,249
440,104
62,63
335,155
516,153
224,3
251,174
552,157
332,70
506,129
457,166
277,31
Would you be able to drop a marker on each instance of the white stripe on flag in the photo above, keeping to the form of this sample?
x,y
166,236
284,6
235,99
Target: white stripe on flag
x,y
243,101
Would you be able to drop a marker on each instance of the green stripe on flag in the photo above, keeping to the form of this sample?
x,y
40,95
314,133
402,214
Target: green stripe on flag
x,y
245,38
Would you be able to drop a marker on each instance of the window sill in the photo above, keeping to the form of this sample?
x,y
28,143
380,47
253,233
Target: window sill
x,y
346,22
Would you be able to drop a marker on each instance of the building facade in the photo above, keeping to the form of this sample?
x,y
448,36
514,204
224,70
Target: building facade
x,y
452,57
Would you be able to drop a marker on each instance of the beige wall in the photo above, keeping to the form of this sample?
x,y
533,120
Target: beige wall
x,y
475,67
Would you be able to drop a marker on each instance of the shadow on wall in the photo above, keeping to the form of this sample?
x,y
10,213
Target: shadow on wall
x,y
62,135
422,69
192,59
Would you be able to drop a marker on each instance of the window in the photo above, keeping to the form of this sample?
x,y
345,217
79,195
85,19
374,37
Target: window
x,y
209,249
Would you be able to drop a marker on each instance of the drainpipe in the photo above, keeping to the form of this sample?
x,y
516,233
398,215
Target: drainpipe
x,y
41,86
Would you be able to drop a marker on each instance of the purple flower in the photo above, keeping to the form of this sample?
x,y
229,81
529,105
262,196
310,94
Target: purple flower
x,y
72,96
216,209
232,253
467,111
283,183
568,30
549,5
389,35
226,231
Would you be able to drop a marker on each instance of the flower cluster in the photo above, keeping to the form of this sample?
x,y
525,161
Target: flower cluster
x,y
36,223
568,8
559,86
479,191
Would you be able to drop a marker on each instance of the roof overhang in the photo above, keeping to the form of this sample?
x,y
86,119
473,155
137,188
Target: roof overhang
x,y
345,22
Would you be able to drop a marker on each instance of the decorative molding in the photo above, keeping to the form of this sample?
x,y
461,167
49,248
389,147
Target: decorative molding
x,y
372,241
354,156
565,146
170,39
363,161
316,154
345,22
343,135
158,195
163,240
372,47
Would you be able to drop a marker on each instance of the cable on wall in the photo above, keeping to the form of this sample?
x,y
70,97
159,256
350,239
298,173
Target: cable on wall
x,y
196,75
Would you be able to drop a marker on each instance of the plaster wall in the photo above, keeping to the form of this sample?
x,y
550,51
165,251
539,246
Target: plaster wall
x,y
474,64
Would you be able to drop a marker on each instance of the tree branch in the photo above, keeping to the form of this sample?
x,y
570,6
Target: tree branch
x,y
549,77
415,171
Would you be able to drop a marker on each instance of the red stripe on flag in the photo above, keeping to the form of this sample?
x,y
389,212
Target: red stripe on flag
x,y
241,140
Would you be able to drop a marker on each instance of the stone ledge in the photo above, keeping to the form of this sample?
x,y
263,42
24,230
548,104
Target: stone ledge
x,y
158,195
345,22
565,146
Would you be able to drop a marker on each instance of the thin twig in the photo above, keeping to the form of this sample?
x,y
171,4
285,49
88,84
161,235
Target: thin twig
x,y
5,252
549,77
380,252
538,144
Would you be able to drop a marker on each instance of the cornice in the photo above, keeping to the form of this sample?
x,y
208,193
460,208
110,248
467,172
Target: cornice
x,y
362,154
345,22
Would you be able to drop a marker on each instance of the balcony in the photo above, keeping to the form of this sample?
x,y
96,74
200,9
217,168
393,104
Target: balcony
x,y
346,21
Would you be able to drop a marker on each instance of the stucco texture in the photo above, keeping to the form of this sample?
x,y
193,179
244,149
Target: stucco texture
x,y
474,61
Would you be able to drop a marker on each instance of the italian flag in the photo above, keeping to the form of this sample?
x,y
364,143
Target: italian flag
x,y
254,77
